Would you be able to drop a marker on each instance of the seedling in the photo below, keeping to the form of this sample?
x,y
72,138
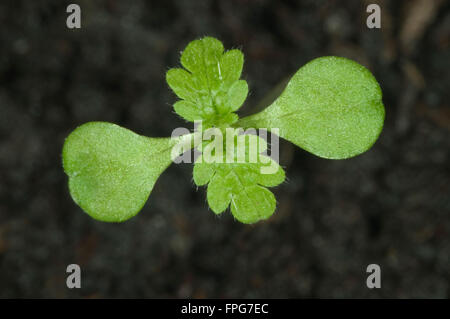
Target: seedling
x,y
332,107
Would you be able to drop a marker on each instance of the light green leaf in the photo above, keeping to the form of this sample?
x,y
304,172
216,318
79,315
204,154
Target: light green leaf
x,y
231,66
237,95
219,194
188,110
182,84
209,84
202,173
241,184
332,107
112,170
200,57
252,204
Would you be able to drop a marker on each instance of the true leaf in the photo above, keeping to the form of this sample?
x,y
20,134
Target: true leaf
x,y
209,86
331,107
112,170
243,185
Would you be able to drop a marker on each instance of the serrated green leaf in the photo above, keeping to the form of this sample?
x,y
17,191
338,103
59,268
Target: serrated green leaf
x,y
209,84
240,184
188,110
200,57
236,95
332,107
231,66
182,84
202,173
254,196
112,170
219,193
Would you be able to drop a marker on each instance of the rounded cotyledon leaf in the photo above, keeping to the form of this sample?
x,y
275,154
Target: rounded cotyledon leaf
x,y
112,170
332,107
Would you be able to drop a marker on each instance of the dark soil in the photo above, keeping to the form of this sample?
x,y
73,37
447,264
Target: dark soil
x,y
389,206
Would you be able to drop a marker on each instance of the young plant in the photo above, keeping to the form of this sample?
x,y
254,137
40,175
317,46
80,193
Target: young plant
x,y
332,107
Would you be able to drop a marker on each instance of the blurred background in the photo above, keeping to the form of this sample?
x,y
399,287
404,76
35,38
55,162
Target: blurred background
x,y
389,206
